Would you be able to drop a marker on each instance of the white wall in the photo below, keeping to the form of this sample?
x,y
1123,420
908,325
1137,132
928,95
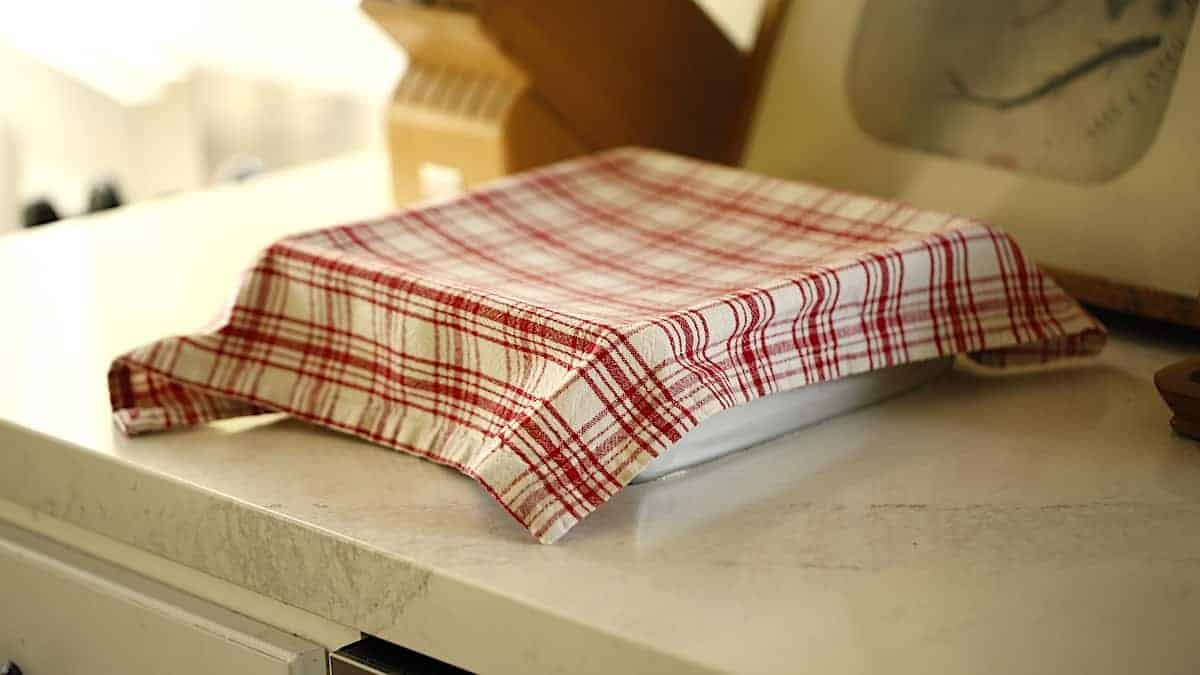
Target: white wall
x,y
64,135
738,18
159,99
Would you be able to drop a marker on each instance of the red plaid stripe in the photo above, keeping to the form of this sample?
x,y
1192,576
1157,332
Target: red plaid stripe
x,y
552,333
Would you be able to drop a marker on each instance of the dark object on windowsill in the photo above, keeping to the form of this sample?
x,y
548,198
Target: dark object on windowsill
x,y
1179,385
104,196
38,212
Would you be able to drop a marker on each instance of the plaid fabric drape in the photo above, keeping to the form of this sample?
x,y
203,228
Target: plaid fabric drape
x,y
551,333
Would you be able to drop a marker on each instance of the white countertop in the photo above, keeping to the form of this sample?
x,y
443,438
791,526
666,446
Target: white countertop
x,y
1042,522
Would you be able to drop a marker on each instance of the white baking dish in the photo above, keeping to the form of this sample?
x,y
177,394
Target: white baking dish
x,y
760,420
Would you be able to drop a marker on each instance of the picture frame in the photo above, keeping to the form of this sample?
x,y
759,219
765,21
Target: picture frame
x,y
1128,241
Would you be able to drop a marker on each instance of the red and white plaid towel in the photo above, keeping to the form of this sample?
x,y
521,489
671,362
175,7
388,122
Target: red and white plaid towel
x,y
550,334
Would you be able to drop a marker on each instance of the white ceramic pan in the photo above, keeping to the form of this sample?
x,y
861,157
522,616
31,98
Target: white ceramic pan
x,y
761,420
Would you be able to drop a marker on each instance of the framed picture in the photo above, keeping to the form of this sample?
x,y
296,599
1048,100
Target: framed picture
x,y
1072,124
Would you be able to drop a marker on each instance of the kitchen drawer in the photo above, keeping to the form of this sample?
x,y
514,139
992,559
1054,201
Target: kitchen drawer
x,y
65,613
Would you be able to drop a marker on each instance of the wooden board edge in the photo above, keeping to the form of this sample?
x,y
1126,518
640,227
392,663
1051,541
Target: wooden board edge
x,y
1142,301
